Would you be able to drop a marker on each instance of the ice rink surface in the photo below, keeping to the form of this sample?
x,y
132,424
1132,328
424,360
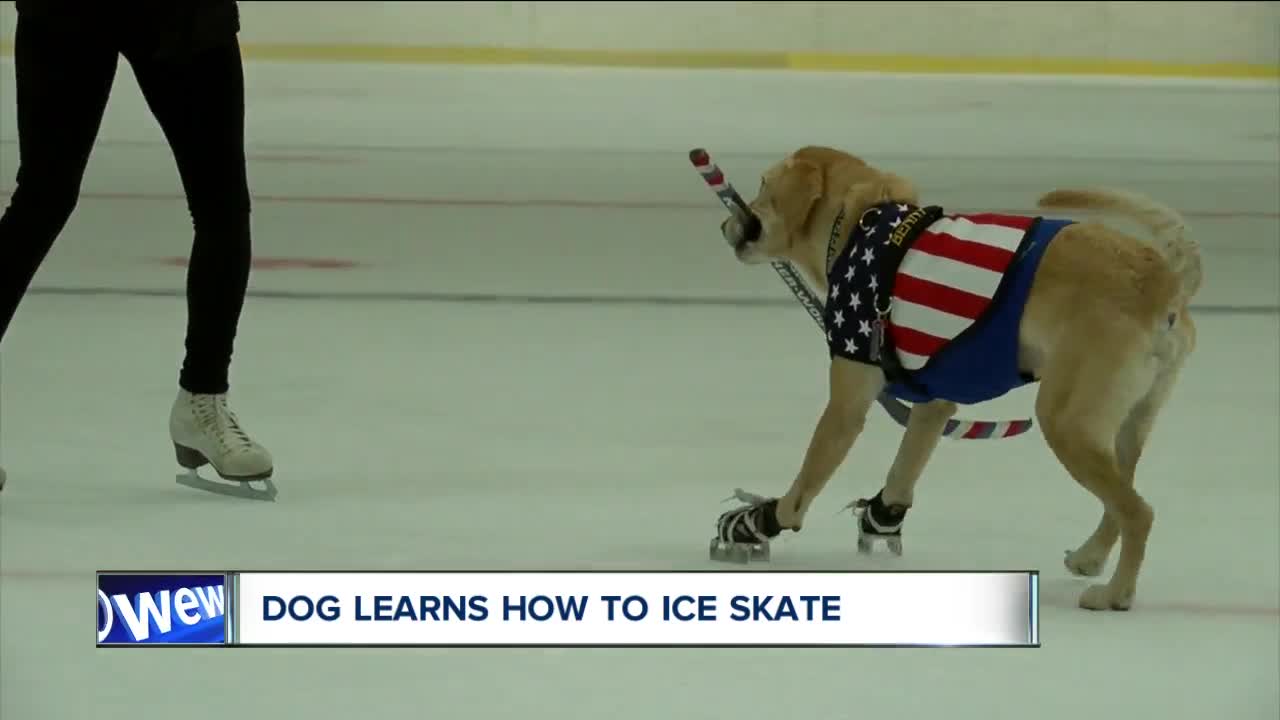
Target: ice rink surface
x,y
520,343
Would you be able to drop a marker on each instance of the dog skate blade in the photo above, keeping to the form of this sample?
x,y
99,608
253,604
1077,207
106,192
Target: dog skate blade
x,y
867,543
241,490
738,554
719,552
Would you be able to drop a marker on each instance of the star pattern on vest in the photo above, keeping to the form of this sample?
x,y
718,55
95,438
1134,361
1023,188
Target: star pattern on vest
x,y
854,283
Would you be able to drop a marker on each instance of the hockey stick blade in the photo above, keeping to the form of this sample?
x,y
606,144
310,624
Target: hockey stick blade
x,y
900,412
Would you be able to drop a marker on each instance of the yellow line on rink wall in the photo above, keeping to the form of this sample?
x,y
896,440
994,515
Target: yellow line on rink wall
x,y
513,56
808,61
1026,66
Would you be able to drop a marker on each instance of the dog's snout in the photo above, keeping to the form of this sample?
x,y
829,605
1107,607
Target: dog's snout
x,y
741,230
731,230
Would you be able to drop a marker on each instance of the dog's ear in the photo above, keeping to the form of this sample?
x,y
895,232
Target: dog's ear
x,y
895,188
885,187
799,188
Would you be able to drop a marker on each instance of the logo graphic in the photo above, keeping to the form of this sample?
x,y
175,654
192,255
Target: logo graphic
x,y
140,609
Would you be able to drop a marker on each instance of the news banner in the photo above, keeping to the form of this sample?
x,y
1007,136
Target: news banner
x,y
568,609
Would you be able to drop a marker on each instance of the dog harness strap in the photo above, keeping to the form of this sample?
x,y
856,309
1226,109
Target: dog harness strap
x,y
895,248
860,285
836,228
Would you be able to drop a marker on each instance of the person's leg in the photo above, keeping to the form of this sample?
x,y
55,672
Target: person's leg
x,y
199,104
63,80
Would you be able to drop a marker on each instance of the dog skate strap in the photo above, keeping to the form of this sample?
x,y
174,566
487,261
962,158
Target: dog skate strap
x,y
755,523
878,518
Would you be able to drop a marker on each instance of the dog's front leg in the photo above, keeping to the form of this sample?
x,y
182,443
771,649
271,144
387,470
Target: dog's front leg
x,y
745,533
924,429
883,514
853,388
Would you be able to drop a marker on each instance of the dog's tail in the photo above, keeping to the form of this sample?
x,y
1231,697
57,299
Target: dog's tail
x,y
1167,227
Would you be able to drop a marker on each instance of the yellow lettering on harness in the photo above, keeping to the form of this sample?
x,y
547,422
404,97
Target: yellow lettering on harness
x,y
900,233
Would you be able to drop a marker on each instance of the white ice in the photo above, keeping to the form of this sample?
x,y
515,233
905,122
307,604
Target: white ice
x,y
415,428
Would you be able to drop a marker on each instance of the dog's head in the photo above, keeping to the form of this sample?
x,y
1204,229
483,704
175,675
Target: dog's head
x,y
789,192
799,197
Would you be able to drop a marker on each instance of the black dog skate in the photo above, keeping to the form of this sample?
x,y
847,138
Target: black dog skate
x,y
878,521
743,535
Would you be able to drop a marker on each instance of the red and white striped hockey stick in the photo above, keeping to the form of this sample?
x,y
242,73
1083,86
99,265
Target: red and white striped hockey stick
x,y
898,410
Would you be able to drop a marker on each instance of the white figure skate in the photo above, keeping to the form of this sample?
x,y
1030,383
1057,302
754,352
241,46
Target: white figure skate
x,y
205,432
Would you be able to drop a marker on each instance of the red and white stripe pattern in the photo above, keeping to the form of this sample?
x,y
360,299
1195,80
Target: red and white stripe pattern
x,y
948,278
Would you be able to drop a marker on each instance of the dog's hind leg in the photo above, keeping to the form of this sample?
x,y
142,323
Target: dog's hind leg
x,y
1089,559
1086,400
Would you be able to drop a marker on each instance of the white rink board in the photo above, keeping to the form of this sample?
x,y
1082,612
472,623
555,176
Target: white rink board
x,y
674,609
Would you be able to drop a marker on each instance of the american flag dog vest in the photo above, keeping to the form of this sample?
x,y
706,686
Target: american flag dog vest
x,y
935,299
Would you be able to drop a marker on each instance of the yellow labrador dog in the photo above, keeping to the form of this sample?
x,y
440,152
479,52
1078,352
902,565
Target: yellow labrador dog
x,y
944,309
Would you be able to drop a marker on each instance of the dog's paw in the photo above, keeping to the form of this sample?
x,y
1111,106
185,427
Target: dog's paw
x,y
1106,597
1084,562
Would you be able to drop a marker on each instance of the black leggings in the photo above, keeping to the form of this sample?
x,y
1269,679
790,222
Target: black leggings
x,y
63,82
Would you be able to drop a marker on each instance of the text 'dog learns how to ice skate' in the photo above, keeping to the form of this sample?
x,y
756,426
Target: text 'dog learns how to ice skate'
x,y
571,609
